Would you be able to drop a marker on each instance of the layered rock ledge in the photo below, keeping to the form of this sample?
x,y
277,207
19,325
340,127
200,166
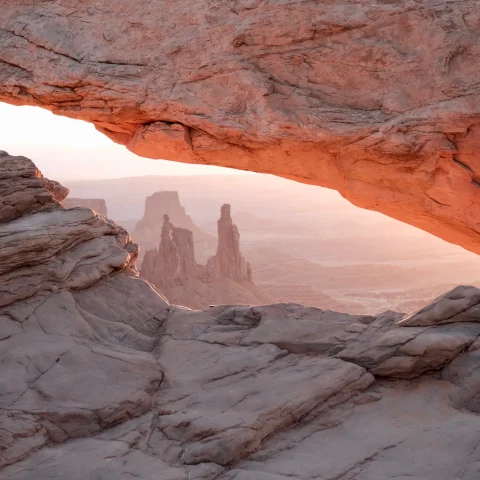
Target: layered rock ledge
x,y
378,99
100,377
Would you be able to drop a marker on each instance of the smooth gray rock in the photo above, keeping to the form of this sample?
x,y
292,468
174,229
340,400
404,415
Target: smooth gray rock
x,y
226,400
412,433
102,379
65,373
464,372
462,304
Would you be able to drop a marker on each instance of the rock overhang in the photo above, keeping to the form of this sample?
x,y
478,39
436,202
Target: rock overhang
x,y
378,101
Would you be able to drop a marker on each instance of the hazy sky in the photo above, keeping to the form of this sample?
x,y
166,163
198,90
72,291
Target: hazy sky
x,y
65,149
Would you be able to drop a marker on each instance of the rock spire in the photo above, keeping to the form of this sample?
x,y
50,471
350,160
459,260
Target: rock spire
x,y
226,277
229,261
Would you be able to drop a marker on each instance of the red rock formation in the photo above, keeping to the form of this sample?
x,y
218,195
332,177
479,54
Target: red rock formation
x,y
183,239
226,278
96,204
174,259
229,262
149,228
376,99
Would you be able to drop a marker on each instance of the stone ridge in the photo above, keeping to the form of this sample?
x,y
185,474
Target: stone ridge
x,y
24,190
378,99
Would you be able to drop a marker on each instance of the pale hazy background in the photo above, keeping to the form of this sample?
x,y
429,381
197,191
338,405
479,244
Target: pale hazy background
x,y
305,243
65,149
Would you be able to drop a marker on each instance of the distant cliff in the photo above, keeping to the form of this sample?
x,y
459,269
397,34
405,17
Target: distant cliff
x,y
149,228
96,204
226,278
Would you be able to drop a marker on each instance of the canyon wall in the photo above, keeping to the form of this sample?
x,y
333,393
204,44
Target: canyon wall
x,y
97,204
379,100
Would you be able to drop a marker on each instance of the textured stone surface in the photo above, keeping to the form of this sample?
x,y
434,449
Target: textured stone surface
x,y
462,304
70,369
97,204
23,189
226,277
411,433
50,248
378,99
103,379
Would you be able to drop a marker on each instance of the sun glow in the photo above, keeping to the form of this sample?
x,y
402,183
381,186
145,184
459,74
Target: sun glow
x,y
65,149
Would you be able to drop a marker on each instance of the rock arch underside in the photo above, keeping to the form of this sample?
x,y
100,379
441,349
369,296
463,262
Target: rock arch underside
x,y
102,378
378,100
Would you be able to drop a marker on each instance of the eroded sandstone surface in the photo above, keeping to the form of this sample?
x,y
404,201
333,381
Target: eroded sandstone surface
x,y
101,377
377,99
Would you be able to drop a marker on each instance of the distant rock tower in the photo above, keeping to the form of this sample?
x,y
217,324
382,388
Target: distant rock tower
x,y
229,261
173,260
226,277
158,205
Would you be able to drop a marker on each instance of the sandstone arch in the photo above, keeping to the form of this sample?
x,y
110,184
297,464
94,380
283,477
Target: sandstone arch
x,y
378,100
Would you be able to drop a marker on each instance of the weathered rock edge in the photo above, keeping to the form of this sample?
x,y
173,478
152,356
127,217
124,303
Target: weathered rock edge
x,y
378,100
101,377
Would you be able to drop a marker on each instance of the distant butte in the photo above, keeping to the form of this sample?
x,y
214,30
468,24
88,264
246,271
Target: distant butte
x,y
148,230
97,204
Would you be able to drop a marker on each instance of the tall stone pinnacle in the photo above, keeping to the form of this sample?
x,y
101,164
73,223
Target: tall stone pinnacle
x,y
229,261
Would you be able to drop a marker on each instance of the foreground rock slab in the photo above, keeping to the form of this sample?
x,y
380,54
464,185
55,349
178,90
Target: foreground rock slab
x,y
102,378
462,304
227,400
410,433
